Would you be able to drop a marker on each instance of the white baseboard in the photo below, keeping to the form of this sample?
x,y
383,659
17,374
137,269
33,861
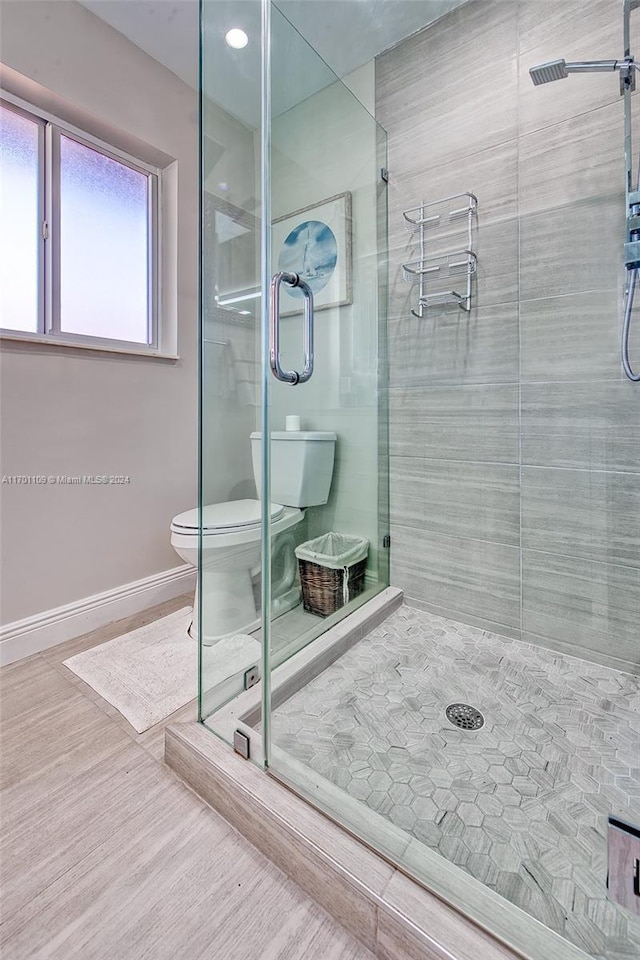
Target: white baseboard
x,y
23,638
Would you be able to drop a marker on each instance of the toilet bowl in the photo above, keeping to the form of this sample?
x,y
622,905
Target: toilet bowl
x,y
301,473
231,534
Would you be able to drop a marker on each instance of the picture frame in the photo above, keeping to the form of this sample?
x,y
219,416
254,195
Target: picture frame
x,y
315,242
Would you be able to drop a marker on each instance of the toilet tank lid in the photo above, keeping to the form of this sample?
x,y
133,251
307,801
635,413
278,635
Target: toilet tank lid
x,y
297,435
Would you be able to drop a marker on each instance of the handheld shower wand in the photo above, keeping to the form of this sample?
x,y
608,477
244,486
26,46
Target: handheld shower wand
x,y
560,70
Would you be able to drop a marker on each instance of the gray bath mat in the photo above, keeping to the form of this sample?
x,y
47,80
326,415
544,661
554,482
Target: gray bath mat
x,y
151,672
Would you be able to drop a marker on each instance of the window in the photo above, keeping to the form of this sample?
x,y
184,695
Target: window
x,y
78,236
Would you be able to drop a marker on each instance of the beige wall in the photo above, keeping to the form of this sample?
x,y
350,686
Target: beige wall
x,y
67,411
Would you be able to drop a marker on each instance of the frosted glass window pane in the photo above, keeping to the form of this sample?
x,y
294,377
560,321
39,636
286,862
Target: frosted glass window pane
x,y
19,224
103,245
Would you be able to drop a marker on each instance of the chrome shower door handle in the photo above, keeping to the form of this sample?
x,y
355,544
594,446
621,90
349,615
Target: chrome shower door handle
x,y
290,376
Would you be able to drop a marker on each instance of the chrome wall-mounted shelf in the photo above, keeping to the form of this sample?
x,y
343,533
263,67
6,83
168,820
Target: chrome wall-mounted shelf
x,y
442,277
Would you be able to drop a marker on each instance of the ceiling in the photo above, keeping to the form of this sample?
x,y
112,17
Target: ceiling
x,y
345,34
348,33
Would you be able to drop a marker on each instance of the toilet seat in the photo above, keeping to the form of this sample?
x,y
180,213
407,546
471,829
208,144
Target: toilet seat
x,y
221,518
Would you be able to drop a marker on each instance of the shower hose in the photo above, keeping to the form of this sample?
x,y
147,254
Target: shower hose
x,y
628,307
626,326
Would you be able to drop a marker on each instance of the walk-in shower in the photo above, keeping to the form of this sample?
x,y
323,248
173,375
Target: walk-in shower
x,y
626,67
473,715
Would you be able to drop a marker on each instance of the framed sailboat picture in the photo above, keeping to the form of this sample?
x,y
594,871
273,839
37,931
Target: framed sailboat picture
x,y
315,243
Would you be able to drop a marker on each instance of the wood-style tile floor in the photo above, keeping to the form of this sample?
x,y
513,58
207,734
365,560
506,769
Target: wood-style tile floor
x,y
106,855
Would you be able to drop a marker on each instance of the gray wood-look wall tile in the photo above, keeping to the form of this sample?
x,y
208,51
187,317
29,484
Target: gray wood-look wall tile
x,y
513,633
549,235
592,605
552,24
475,422
457,499
471,577
491,174
419,93
575,30
451,132
572,249
573,161
583,425
582,513
451,346
575,337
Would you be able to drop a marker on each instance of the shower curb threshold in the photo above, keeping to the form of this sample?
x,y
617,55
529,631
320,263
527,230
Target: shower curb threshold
x,y
289,817
244,712
392,915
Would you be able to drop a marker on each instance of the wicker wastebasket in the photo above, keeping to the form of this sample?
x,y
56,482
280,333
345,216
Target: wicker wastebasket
x,y
331,571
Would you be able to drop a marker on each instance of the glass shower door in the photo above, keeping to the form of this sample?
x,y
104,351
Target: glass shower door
x,y
292,181
323,438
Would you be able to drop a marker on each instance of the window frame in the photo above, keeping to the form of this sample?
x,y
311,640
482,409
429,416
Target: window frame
x,y
51,130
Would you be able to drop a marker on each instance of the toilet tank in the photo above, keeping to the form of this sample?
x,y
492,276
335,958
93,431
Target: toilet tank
x,y
301,466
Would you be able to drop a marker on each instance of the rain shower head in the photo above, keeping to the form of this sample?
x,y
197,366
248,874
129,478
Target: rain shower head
x,y
546,72
559,69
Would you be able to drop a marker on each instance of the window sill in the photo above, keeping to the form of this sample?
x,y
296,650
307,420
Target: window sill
x,y
148,354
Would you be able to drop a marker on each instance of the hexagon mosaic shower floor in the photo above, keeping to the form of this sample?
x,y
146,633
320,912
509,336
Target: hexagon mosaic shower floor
x,y
522,803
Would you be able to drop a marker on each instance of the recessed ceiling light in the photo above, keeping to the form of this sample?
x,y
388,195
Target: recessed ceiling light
x,y
237,38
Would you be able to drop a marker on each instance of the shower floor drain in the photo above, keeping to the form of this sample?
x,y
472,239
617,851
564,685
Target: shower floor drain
x,y
464,716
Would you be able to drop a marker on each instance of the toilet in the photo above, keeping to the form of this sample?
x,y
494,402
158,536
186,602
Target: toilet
x,y
301,473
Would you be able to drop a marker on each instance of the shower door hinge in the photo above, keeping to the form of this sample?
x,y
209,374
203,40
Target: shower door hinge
x,y
386,540
384,174
241,743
